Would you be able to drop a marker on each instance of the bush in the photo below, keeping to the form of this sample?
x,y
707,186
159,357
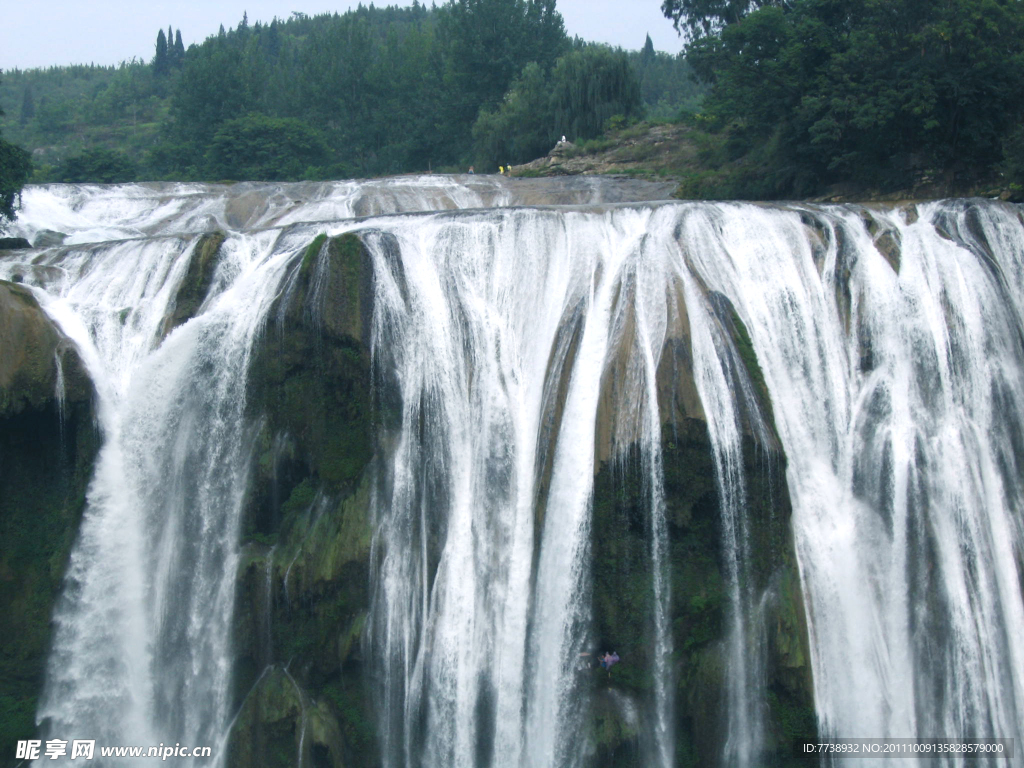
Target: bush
x,y
97,166
1013,158
261,148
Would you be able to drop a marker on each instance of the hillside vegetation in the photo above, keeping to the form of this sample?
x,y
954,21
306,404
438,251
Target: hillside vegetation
x,y
824,99
370,92
808,95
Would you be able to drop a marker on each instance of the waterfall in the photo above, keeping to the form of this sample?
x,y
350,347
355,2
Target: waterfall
x,y
140,651
499,328
897,396
523,341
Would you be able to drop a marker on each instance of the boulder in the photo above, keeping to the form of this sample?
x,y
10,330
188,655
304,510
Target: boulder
x,y
14,243
48,443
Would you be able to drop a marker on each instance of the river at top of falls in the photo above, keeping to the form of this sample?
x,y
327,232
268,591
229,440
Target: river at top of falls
x,y
897,391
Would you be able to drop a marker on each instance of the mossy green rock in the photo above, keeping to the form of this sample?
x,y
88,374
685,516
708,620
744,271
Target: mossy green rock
x,y
279,726
304,580
47,449
623,597
195,286
304,583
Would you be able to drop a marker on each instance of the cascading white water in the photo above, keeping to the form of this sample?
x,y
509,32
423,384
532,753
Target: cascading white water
x,y
896,396
141,650
499,328
721,387
141,647
901,424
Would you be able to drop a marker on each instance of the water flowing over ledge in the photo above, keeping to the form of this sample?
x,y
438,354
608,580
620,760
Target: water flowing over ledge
x,y
530,365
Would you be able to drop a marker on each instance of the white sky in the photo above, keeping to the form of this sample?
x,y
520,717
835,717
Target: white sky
x,y
46,32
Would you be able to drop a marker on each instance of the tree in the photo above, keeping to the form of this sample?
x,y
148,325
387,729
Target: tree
x,y
97,166
698,18
1013,162
15,167
261,148
583,91
590,86
161,62
179,50
175,49
28,106
647,55
487,43
873,91
522,127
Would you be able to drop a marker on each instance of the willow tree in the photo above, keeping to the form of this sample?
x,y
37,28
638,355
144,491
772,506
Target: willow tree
x,y
590,86
583,91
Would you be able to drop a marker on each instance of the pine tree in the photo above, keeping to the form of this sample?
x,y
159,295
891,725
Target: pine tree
x,y
161,62
28,106
647,54
176,52
273,39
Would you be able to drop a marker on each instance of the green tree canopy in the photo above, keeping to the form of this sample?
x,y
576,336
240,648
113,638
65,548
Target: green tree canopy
x,y
584,89
261,148
15,167
698,18
161,61
176,51
873,91
522,128
591,85
97,166
487,43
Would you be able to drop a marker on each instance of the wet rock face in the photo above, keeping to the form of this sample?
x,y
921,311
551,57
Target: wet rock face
x,y
196,285
700,601
304,580
47,448
14,243
698,573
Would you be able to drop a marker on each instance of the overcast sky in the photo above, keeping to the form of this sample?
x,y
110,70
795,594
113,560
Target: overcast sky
x,y
45,32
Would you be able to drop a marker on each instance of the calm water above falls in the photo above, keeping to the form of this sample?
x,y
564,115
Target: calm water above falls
x,y
896,395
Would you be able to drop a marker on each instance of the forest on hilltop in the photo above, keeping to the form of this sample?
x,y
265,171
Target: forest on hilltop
x,y
376,90
781,98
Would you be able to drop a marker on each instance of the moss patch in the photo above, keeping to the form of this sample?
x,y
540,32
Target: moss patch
x,y
304,583
198,279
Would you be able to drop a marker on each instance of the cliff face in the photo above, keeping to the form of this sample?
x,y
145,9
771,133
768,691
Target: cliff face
x,y
304,582
703,588
301,674
48,441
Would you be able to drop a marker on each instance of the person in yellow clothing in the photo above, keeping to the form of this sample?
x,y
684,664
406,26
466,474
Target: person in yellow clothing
x,y
501,170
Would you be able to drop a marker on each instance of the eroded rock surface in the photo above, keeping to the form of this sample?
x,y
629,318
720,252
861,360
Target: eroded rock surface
x,y
48,442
